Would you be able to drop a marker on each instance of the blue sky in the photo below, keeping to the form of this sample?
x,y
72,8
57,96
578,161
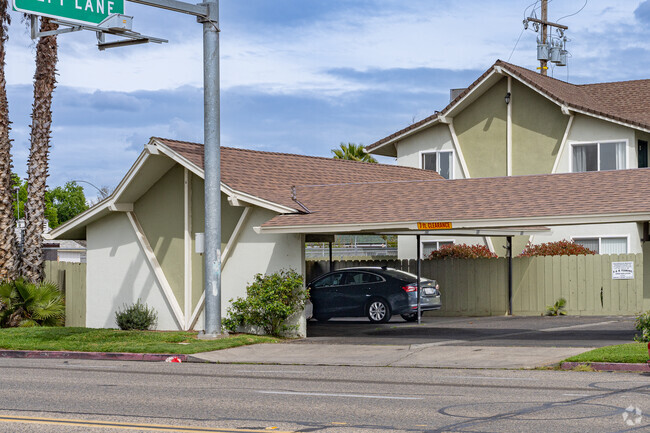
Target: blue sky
x,y
298,76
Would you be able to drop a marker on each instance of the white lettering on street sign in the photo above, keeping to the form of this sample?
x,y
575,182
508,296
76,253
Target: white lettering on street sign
x,y
90,12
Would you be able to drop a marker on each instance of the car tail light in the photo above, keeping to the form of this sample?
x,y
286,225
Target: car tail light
x,y
409,289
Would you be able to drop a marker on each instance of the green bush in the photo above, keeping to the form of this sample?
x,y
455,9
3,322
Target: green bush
x,y
642,324
136,317
558,248
27,304
462,251
270,301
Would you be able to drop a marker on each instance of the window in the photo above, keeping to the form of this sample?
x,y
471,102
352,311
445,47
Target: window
x,y
430,246
330,280
442,162
604,245
599,156
363,278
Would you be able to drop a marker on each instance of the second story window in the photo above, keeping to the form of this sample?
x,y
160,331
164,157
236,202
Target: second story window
x,y
599,156
442,162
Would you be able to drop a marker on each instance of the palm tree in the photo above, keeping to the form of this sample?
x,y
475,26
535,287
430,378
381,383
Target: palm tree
x,y
8,253
352,152
27,304
44,85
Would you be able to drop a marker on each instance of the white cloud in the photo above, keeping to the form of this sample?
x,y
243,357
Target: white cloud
x,y
285,59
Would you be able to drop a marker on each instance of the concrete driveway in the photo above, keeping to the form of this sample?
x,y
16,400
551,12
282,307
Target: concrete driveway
x,y
485,342
517,331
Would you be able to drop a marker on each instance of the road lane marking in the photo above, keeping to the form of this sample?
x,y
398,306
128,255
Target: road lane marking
x,y
489,378
586,325
323,394
122,425
270,371
437,343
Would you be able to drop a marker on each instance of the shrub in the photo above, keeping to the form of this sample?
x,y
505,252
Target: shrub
x,y
642,324
558,248
462,251
269,302
27,304
556,309
136,317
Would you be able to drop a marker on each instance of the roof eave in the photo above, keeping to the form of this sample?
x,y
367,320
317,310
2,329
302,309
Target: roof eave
x,y
469,224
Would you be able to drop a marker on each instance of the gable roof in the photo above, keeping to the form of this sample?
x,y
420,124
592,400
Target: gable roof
x,y
515,201
259,178
626,102
270,175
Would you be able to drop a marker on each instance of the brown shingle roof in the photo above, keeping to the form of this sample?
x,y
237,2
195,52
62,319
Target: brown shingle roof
x,y
536,196
623,101
270,175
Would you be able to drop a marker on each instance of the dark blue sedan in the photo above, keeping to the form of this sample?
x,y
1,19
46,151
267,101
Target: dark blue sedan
x,y
376,293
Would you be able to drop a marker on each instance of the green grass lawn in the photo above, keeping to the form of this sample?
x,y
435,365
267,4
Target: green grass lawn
x,y
112,340
626,353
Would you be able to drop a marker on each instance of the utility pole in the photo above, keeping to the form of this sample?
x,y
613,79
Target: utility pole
x,y
555,52
543,64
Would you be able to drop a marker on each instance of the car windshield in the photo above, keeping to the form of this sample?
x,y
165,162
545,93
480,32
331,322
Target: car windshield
x,y
405,276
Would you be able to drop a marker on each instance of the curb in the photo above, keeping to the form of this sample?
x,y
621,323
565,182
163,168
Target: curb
x,y
608,366
106,356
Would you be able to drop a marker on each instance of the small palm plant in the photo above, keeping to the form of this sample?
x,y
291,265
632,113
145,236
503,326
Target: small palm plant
x,y
27,304
353,152
556,309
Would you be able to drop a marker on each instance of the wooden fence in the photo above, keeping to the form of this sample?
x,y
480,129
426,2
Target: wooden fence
x,y
71,279
479,287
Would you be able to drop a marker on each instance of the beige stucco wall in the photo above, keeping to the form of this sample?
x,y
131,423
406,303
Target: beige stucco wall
x,y
255,253
538,126
118,273
587,129
160,213
435,138
481,131
629,230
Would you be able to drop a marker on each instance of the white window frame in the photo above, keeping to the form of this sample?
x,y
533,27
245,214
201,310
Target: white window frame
x,y
625,142
451,166
422,242
600,240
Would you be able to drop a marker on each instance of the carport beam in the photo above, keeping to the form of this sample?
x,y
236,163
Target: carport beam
x,y
331,258
509,253
419,260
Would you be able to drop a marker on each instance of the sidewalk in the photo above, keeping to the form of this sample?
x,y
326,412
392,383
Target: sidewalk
x,y
422,355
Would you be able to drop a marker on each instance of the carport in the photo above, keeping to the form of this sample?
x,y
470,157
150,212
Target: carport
x,y
494,207
444,228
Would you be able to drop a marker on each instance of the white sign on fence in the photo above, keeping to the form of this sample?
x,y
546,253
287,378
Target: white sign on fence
x,y
622,270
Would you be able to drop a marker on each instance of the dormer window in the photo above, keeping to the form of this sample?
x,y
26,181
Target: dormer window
x,y
599,156
442,162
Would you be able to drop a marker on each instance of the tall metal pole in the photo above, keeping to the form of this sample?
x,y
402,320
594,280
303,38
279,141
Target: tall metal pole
x,y
544,63
419,272
509,252
212,169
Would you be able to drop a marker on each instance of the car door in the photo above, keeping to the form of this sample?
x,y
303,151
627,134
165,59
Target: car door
x,y
323,291
354,294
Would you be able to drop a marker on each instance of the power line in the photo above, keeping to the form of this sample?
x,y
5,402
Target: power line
x,y
576,13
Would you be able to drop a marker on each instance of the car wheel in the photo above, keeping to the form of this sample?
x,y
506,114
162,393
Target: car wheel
x,y
322,318
411,317
379,311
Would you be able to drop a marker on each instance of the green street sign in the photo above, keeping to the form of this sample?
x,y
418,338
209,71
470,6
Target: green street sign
x,y
90,12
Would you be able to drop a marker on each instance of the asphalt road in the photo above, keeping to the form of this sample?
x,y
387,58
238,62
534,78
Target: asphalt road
x,y
39,395
520,331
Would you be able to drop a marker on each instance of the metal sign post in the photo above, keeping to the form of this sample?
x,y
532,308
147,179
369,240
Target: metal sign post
x,y
212,171
207,13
